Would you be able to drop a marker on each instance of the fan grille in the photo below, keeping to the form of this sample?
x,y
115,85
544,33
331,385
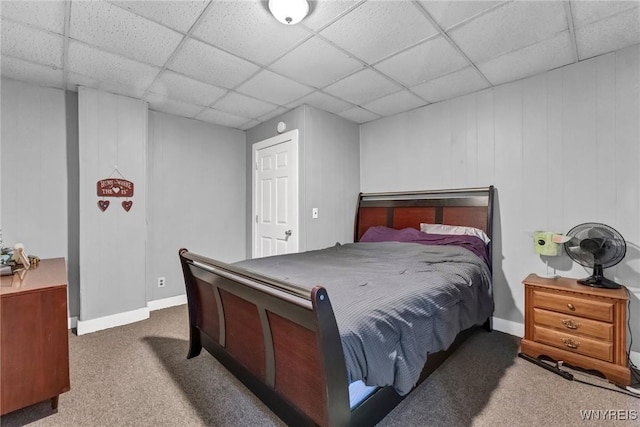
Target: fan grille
x,y
594,244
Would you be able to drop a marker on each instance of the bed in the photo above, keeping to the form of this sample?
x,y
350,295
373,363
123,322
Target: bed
x,y
272,323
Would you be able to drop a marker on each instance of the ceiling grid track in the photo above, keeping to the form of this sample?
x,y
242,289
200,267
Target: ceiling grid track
x,y
572,31
65,48
444,34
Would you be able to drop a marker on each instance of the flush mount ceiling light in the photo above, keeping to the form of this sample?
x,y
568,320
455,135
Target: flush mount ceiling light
x,y
289,12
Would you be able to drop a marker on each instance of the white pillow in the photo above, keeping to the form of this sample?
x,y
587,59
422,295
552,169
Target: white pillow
x,y
454,229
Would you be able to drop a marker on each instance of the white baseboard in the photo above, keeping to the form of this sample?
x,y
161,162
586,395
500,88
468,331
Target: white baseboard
x,y
159,304
106,322
508,327
72,322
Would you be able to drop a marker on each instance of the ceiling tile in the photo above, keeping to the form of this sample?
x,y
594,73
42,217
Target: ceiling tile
x,y
237,26
48,15
315,63
117,87
249,124
32,44
362,87
426,61
185,89
452,85
450,13
118,31
17,69
609,34
278,111
111,69
587,12
546,55
221,118
510,27
395,103
244,106
179,15
166,105
208,64
322,101
322,12
359,115
359,32
272,87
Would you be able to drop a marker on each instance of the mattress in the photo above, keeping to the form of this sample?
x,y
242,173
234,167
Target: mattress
x,y
394,302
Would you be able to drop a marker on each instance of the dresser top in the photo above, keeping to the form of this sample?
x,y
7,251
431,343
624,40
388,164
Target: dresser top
x,y
572,285
48,273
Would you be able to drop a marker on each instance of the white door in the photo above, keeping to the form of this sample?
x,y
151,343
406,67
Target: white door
x,y
275,201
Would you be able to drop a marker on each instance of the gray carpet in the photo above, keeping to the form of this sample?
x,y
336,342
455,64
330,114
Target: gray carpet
x,y
138,375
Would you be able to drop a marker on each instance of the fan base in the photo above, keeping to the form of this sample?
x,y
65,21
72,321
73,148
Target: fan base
x,y
599,282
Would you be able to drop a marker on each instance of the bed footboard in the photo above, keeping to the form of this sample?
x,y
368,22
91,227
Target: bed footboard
x,y
280,340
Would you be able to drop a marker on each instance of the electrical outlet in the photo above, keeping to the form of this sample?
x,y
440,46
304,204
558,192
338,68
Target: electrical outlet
x,y
314,213
161,282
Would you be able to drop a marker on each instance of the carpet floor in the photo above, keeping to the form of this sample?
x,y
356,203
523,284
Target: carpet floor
x,y
138,375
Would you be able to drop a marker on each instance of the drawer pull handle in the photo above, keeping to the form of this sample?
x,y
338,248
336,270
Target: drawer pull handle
x,y
571,307
570,324
569,342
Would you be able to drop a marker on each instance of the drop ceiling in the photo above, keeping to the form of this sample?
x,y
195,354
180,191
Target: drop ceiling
x,y
231,63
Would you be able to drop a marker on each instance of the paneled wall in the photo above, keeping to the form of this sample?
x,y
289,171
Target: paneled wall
x,y
112,132
34,181
561,148
34,173
196,197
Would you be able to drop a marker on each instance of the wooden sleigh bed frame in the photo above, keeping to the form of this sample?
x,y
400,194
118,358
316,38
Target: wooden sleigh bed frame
x,y
282,340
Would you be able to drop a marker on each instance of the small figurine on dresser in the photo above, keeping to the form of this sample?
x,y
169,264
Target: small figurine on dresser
x,y
20,257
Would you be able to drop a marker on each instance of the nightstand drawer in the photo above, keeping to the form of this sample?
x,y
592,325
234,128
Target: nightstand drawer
x,y
573,324
582,345
569,304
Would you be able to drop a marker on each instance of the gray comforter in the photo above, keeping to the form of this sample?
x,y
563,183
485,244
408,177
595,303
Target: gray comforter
x,y
394,302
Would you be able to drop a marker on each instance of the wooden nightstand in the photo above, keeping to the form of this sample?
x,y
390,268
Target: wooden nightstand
x,y
580,325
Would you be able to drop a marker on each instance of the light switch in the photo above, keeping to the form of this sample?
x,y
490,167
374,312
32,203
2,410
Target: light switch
x,y
314,213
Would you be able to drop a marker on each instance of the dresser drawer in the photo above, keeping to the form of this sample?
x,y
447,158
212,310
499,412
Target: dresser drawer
x,y
582,345
573,325
569,304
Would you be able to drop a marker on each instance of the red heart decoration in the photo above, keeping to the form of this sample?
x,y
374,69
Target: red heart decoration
x,y
103,205
127,205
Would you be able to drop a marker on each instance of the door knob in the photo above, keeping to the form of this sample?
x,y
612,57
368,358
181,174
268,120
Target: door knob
x,y
287,233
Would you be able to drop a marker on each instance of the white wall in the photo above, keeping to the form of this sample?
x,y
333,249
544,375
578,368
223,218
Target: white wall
x,y
333,178
196,197
561,148
112,132
33,171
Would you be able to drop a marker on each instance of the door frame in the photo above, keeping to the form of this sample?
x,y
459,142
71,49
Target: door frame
x,y
293,136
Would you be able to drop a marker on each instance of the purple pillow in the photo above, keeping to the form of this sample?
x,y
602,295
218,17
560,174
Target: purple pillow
x,y
385,234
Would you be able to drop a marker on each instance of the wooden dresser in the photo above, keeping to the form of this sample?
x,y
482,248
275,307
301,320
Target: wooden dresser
x,y
580,325
35,342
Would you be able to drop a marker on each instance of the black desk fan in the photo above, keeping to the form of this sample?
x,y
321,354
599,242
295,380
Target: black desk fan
x,y
597,246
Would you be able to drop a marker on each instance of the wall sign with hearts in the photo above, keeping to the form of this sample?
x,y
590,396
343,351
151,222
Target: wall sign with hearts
x,y
115,187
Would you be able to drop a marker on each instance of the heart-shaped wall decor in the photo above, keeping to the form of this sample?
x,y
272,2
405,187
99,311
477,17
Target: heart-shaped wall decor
x,y
103,205
127,205
116,189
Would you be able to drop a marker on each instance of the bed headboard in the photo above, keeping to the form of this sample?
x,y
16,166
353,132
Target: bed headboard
x,y
462,206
